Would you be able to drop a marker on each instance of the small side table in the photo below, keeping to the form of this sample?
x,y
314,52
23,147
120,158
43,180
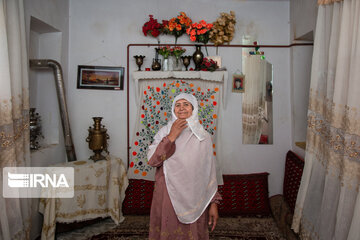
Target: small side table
x,y
99,190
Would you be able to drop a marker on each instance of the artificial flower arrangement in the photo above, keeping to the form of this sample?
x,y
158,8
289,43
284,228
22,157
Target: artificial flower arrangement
x,y
177,26
223,29
165,51
152,27
169,51
178,51
199,32
208,65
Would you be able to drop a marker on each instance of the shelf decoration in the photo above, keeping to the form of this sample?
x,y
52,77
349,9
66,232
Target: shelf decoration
x,y
208,65
257,52
199,32
177,52
223,30
152,27
177,26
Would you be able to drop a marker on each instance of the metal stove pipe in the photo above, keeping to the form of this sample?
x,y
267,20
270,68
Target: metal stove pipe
x,y
60,89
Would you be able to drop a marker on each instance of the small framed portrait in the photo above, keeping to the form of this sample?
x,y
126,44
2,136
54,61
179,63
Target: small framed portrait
x,y
238,84
100,77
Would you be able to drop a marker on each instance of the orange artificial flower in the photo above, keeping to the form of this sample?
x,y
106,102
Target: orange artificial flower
x,y
177,26
202,31
199,32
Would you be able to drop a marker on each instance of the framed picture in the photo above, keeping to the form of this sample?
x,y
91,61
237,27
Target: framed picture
x,y
238,84
99,77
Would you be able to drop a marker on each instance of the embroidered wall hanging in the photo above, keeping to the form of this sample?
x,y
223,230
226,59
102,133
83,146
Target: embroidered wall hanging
x,y
154,111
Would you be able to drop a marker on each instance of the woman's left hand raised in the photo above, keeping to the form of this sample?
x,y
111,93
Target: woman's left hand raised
x,y
213,215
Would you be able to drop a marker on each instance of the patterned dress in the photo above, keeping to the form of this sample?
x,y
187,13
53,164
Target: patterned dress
x,y
164,223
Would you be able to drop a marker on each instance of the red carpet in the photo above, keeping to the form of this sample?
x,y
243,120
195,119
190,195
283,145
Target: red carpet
x,y
136,227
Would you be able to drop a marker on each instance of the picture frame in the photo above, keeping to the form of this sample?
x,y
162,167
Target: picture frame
x,y
100,77
238,83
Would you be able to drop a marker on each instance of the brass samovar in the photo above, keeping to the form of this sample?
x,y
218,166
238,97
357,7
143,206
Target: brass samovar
x,y
97,139
35,129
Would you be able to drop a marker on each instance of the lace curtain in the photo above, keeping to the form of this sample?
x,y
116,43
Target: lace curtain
x,y
257,71
14,115
328,202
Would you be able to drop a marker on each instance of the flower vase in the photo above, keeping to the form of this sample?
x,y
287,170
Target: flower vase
x,y
198,57
177,66
156,65
166,64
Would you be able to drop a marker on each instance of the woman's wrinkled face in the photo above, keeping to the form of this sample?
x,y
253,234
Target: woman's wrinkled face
x,y
183,109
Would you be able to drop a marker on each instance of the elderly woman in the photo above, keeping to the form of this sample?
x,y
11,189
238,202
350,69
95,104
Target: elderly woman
x,y
185,196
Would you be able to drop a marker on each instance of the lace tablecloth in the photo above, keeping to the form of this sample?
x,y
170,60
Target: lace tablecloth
x,y
99,190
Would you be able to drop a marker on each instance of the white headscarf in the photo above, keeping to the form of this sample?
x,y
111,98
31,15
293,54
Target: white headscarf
x,y
190,173
193,121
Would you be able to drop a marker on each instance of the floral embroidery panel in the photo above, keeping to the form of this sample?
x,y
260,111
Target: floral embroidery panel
x,y
155,111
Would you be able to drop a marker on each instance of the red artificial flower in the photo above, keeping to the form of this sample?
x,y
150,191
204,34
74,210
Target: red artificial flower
x,y
152,27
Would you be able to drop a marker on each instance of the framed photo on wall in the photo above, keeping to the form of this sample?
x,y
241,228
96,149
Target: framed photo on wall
x,y
238,84
100,77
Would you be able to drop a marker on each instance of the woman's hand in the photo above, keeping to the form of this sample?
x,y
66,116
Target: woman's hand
x,y
213,215
178,126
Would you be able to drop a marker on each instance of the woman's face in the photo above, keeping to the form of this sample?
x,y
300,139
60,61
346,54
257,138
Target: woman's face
x,y
183,109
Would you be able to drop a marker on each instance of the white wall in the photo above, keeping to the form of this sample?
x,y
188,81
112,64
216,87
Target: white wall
x,y
303,18
47,37
303,14
300,85
100,33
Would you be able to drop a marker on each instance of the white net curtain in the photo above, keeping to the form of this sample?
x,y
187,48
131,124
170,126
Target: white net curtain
x,y
257,72
14,115
328,202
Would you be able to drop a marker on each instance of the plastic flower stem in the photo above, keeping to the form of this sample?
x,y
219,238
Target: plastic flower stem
x,y
217,50
206,50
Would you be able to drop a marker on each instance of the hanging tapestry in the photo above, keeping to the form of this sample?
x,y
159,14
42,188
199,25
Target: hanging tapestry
x,y
154,111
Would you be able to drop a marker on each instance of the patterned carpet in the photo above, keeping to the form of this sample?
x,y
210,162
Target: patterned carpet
x,y
136,227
